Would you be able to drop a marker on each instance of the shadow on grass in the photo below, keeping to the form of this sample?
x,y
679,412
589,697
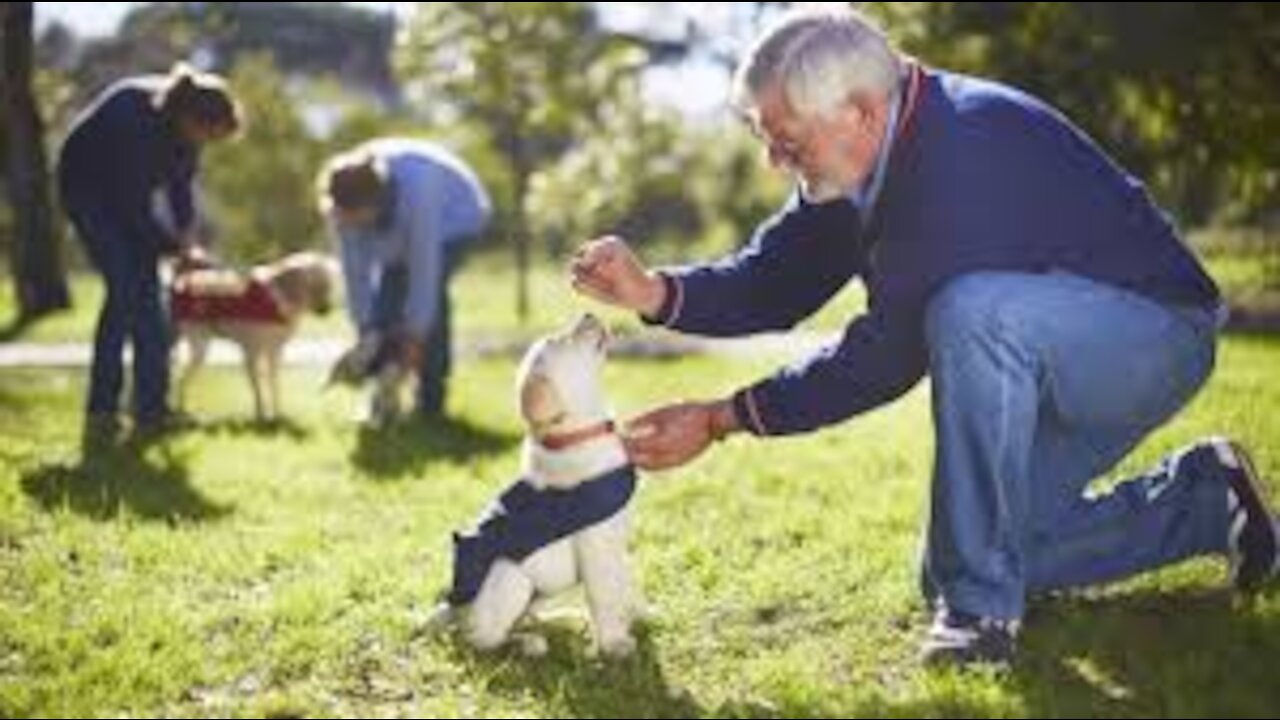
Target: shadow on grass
x,y
14,329
279,428
406,446
573,684
1190,653
145,481
1181,654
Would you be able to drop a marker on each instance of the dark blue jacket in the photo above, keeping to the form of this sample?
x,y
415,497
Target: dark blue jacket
x,y
120,150
525,519
981,177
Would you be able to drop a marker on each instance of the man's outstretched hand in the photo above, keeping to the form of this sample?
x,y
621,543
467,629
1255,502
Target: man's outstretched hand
x,y
606,270
674,435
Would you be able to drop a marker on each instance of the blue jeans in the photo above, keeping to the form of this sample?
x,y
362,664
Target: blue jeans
x,y
437,357
1042,383
133,311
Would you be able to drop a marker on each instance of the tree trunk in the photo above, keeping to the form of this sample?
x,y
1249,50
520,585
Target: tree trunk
x,y
522,170
38,274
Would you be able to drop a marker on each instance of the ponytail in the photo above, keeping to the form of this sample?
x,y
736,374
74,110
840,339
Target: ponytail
x,y
202,97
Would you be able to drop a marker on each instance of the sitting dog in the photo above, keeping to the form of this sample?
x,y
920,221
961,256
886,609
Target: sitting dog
x,y
259,310
567,520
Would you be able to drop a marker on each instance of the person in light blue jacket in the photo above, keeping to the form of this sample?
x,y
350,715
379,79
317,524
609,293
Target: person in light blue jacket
x,y
402,210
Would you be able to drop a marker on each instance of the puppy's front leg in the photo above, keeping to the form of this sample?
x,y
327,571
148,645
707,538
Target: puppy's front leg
x,y
607,578
503,599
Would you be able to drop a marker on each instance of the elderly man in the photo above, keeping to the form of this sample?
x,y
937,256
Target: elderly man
x,y
1055,308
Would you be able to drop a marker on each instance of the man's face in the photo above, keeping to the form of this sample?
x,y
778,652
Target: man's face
x,y
356,217
828,155
200,133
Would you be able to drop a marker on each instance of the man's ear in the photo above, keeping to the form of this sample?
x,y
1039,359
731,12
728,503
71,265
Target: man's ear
x,y
540,404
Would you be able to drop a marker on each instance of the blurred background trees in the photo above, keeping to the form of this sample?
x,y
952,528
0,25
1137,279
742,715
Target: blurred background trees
x,y
585,119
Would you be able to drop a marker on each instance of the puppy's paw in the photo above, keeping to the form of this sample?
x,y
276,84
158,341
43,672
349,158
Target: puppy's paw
x,y
531,645
442,618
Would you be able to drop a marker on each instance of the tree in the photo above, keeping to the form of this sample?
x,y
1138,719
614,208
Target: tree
x,y
629,177
39,278
260,186
529,74
304,39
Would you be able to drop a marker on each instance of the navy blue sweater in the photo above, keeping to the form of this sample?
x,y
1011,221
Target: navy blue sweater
x,y
981,177
119,151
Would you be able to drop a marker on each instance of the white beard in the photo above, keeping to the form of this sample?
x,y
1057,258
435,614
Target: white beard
x,y
820,190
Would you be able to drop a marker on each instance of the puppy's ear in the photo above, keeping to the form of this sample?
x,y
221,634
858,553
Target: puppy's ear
x,y
291,284
540,404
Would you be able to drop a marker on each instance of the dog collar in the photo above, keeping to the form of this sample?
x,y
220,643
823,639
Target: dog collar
x,y
564,441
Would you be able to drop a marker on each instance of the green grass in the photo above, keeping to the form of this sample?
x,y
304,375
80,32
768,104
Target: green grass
x,y
239,571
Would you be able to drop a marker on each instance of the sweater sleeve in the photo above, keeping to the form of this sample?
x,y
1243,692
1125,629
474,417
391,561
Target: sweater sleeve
x,y
358,265
877,360
419,217
795,262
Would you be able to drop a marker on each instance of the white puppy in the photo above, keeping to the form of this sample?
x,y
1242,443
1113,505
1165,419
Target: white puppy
x,y
259,311
567,520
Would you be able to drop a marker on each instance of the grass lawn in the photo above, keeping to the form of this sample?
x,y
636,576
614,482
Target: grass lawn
x,y
234,571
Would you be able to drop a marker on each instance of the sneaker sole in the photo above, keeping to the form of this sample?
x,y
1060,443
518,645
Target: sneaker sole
x,y
1249,494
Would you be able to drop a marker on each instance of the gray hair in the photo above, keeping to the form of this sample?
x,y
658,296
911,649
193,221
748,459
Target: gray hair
x,y
819,59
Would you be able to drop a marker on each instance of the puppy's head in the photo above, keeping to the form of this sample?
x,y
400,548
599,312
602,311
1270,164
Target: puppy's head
x,y
305,280
558,382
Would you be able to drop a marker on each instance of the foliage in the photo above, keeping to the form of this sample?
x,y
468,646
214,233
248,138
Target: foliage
x,y
530,75
260,186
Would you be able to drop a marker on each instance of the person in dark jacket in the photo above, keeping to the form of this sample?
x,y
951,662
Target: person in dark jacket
x,y
135,146
1054,306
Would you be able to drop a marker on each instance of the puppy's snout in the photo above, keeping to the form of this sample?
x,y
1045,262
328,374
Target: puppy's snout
x,y
590,328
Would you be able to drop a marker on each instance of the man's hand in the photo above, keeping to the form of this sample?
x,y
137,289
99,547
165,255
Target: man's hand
x,y
356,364
411,352
192,257
674,435
606,270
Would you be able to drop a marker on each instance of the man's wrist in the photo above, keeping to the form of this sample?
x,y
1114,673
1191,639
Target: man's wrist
x,y
722,421
655,295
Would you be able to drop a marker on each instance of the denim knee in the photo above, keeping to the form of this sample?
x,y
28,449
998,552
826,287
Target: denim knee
x,y
965,308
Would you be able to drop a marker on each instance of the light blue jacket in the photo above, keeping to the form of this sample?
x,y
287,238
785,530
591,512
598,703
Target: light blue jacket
x,y
435,200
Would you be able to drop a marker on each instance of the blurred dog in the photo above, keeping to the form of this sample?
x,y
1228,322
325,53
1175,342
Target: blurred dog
x,y
258,310
378,358
566,522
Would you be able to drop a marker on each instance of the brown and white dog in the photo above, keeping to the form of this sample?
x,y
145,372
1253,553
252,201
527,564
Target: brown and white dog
x,y
258,310
578,480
